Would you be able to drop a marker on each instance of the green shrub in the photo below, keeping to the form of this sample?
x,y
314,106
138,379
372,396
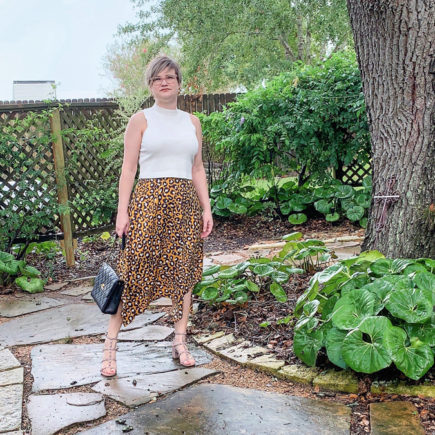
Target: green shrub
x,y
369,312
309,120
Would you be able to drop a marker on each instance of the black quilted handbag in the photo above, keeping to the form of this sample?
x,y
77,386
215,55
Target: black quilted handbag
x,y
108,287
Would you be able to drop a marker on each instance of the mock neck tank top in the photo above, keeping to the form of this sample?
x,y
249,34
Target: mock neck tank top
x,y
169,144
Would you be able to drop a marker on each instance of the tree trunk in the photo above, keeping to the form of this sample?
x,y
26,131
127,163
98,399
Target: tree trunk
x,y
394,42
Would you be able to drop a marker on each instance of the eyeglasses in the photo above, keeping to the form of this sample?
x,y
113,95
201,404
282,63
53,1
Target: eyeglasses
x,y
159,80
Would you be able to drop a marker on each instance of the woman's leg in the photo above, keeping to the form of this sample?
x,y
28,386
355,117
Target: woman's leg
x,y
109,353
180,329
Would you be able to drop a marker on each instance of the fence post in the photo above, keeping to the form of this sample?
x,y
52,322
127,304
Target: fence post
x,y
62,191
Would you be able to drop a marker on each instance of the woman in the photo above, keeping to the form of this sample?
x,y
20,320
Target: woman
x,y
163,222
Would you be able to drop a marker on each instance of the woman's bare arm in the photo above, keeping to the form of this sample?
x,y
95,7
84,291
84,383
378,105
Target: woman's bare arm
x,y
132,141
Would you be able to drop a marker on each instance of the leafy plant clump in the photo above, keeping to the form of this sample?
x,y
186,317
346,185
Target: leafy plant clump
x,y
242,282
369,312
27,277
332,199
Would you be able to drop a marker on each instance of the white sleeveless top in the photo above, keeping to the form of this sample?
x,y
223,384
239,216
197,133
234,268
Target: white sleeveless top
x,y
169,144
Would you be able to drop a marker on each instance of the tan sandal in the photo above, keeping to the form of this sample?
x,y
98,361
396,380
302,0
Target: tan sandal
x,y
176,353
109,371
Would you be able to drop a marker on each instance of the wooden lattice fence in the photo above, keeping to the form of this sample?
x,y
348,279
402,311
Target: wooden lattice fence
x,y
69,169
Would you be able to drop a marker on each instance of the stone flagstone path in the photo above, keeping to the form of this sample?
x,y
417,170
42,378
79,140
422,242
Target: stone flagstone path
x,y
147,371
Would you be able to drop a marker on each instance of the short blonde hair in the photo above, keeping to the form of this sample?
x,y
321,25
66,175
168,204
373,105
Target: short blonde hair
x,y
157,65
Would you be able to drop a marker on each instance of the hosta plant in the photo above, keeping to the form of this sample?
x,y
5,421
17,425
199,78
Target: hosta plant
x,y
369,312
241,282
26,277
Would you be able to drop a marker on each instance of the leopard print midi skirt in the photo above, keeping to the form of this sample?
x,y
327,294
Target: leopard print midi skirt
x,y
163,255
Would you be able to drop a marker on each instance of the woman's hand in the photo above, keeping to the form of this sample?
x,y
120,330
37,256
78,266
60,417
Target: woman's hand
x,y
207,223
122,223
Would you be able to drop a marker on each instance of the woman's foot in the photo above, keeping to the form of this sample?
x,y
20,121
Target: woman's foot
x,y
109,357
179,350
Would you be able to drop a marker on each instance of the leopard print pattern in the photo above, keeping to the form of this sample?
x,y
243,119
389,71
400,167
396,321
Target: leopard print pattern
x,y
163,255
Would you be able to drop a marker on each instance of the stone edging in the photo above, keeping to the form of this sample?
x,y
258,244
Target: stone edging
x,y
257,357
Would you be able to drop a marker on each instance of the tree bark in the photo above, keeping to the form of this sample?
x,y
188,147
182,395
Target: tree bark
x,y
394,42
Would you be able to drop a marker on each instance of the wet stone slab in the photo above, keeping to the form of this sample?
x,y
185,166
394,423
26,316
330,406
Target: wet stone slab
x,y
13,376
73,320
56,366
223,409
11,397
77,291
8,360
50,413
146,333
395,418
136,390
13,307
161,302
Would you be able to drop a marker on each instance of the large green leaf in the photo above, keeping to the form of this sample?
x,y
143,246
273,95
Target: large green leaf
x,y
425,332
382,289
329,273
414,360
332,217
231,272
292,236
363,348
11,267
31,285
251,286
355,213
411,305
310,308
334,344
309,294
210,293
5,257
426,281
344,192
280,277
263,270
211,270
323,206
278,292
352,308
381,267
297,218
237,208
307,342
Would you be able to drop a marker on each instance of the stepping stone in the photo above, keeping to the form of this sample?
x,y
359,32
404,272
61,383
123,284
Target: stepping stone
x,y
88,298
343,380
161,302
204,338
227,259
73,320
149,386
56,366
297,373
222,409
146,333
50,413
13,376
55,286
266,362
395,418
8,360
222,342
12,307
243,352
206,262
11,397
77,291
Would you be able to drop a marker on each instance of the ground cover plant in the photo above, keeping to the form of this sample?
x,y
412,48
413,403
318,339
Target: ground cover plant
x,y
284,198
242,282
369,312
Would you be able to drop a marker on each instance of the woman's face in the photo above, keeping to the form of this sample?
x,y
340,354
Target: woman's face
x,y
165,85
